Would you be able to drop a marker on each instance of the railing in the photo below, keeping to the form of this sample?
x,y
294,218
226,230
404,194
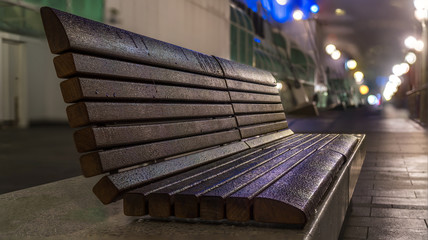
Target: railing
x,y
417,102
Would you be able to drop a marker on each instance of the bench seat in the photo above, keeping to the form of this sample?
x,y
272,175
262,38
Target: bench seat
x,y
179,133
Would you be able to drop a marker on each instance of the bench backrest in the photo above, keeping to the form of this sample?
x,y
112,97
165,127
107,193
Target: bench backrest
x,y
140,102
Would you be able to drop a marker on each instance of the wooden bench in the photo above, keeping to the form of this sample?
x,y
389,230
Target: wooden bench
x,y
179,133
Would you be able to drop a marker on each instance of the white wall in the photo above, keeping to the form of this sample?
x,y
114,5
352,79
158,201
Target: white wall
x,y
39,92
200,25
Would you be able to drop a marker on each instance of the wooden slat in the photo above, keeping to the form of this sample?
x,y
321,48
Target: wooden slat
x,y
84,113
255,130
292,199
271,138
80,89
344,144
244,120
136,201
99,162
92,138
238,204
212,202
186,203
254,97
110,187
236,85
246,73
161,200
67,32
72,64
240,108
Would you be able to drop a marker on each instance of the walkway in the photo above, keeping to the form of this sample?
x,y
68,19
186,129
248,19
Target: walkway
x,y
390,200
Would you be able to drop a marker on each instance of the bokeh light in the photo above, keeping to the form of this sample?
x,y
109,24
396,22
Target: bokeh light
x,y
330,48
372,100
281,2
336,54
410,58
351,64
279,85
364,89
297,15
358,76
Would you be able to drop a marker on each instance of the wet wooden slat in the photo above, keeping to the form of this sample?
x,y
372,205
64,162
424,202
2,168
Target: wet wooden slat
x,y
92,138
162,200
244,72
235,85
292,199
254,97
111,187
72,64
103,161
186,201
84,113
255,130
238,204
344,144
67,32
136,201
240,108
81,89
244,120
212,203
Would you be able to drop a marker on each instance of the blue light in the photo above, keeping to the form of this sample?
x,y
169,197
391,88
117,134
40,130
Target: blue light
x,y
315,8
257,40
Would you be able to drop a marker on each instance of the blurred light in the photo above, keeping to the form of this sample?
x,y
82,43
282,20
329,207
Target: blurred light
x,y
358,76
315,8
397,70
336,54
340,12
410,42
410,58
351,64
404,68
421,14
372,100
279,85
297,15
420,4
394,80
419,46
364,89
257,40
329,49
281,2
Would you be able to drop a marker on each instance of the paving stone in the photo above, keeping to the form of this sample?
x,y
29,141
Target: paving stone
x,y
355,233
392,184
361,200
420,183
386,169
400,163
413,148
419,175
421,193
402,193
399,213
391,175
360,211
387,233
410,202
391,223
